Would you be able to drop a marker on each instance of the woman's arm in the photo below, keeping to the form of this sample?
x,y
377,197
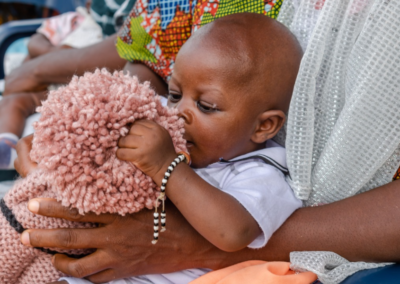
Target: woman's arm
x,y
39,44
59,66
144,73
364,227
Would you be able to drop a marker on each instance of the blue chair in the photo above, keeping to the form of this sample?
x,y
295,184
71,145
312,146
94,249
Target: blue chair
x,y
12,31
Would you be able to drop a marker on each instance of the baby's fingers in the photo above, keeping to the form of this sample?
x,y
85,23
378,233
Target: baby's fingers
x,y
125,154
131,141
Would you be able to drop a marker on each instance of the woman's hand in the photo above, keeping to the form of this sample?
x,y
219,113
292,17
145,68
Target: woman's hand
x,y
23,79
123,244
23,163
149,147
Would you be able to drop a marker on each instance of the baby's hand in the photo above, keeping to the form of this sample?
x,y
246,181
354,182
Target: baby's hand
x,y
149,147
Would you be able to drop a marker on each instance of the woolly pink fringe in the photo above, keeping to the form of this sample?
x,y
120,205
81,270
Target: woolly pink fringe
x,y
74,145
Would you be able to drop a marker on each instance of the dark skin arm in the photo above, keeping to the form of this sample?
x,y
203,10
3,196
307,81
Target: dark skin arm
x,y
39,45
59,66
149,147
144,73
364,227
367,233
16,108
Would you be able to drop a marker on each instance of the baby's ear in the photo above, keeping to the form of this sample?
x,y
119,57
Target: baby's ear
x,y
268,125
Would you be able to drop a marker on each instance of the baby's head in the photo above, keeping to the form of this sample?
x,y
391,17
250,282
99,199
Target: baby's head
x,y
232,84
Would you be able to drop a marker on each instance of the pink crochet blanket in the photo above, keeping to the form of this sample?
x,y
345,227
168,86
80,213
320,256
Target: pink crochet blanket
x,y
74,145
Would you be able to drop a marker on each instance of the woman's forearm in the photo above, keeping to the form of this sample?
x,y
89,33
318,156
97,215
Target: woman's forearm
x,y
59,66
364,227
38,45
144,73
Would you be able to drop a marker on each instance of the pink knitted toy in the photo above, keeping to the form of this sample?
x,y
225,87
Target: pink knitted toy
x,y
74,145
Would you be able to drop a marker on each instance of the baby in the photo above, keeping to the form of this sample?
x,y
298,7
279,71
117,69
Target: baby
x,y
232,84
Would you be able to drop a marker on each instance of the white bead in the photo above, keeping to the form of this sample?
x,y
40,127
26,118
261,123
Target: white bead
x,y
173,164
155,215
155,228
167,174
155,221
163,214
155,235
154,242
162,187
170,168
163,221
164,180
181,157
177,160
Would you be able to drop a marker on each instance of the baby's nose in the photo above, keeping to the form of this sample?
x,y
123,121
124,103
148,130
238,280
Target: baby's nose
x,y
185,113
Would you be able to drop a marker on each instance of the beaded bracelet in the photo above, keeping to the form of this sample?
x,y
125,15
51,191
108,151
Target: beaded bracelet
x,y
182,156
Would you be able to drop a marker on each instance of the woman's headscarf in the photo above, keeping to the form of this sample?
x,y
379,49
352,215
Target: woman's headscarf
x,y
343,130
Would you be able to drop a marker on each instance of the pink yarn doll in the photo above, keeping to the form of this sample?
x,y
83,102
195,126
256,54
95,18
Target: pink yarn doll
x,y
74,145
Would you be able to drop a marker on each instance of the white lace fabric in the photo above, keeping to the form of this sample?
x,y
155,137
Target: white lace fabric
x,y
343,130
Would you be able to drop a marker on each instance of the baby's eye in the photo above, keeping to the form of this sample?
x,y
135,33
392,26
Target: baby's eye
x,y
174,98
206,108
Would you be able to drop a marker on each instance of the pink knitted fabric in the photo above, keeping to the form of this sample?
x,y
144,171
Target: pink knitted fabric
x,y
74,145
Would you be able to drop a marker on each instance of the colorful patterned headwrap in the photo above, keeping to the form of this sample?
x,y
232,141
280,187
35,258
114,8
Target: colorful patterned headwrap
x,y
156,29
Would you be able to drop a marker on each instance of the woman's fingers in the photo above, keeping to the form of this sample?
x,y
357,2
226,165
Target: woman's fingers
x,y
83,267
52,208
23,163
103,276
64,238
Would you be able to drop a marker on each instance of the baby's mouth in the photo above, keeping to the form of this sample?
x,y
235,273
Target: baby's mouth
x,y
189,142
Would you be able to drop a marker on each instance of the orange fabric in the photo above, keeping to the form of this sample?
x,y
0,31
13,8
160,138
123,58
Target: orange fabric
x,y
256,272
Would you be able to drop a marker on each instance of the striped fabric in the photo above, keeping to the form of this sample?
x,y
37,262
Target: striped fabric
x,y
110,14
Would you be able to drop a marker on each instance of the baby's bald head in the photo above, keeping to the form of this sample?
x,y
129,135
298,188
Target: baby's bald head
x,y
256,53
232,84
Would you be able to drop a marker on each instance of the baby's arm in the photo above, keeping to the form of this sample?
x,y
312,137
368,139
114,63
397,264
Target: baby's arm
x,y
216,215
